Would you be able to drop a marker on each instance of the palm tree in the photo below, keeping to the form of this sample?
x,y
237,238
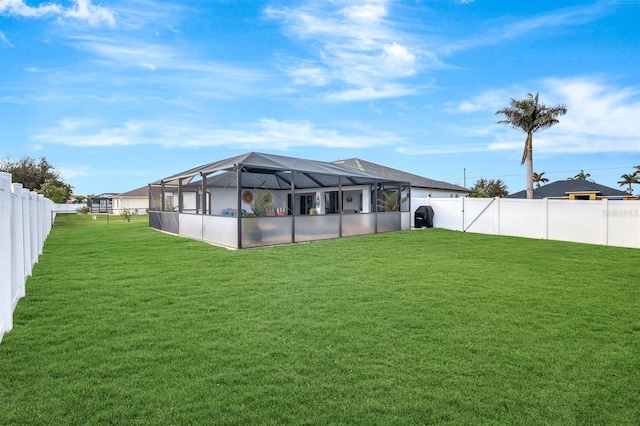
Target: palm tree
x,y
581,176
530,115
537,178
630,179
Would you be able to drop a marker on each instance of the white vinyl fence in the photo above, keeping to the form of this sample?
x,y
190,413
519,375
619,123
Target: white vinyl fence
x,y
25,221
67,208
604,222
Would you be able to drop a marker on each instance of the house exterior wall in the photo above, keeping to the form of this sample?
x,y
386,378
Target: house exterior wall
x,y
141,205
223,199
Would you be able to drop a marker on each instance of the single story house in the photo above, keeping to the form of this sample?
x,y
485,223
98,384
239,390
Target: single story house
x,y
136,201
575,189
257,199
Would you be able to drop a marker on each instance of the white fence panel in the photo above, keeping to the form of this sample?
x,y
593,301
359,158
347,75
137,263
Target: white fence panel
x,y
523,218
480,215
67,208
26,219
578,221
614,223
623,223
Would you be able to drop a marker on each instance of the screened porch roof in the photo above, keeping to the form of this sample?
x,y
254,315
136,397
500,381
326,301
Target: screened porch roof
x,y
270,171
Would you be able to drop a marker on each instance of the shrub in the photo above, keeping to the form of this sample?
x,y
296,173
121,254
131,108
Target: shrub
x,y
126,215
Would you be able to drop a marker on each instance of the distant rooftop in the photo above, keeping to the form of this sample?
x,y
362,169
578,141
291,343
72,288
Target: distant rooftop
x,y
143,191
562,188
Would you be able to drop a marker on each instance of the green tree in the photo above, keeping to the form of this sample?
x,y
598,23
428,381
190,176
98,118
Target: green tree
x,y
530,115
484,188
56,191
630,179
581,176
539,177
39,176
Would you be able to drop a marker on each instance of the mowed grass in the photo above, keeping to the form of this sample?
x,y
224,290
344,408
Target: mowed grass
x,y
126,325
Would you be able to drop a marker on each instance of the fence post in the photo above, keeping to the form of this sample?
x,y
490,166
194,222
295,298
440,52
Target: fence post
x,y
49,216
17,236
606,222
26,233
33,228
463,213
6,311
545,225
496,216
40,201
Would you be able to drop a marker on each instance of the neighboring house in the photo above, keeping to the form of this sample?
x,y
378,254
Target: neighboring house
x,y
101,203
421,187
575,190
136,201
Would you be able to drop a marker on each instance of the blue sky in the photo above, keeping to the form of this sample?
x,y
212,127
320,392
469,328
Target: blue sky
x,y
120,93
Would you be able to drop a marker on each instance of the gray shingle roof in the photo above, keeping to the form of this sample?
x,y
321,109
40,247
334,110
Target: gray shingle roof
x,y
143,191
560,188
274,172
391,173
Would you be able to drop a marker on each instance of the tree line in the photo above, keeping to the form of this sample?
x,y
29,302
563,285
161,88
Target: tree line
x,y
490,188
39,176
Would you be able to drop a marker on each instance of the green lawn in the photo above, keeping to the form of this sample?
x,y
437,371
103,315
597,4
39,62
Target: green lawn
x,y
126,325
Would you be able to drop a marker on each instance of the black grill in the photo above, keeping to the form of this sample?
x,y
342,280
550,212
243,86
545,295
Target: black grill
x,y
423,217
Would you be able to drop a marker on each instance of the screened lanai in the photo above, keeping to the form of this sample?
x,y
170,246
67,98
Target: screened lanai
x,y
257,199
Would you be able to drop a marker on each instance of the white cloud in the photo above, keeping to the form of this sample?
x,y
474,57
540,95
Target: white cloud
x,y
20,8
370,93
314,76
205,77
82,10
486,101
513,27
353,43
261,134
443,149
366,13
69,173
4,40
601,118
398,60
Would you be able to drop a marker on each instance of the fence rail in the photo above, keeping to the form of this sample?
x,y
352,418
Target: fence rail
x,y
25,221
604,222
